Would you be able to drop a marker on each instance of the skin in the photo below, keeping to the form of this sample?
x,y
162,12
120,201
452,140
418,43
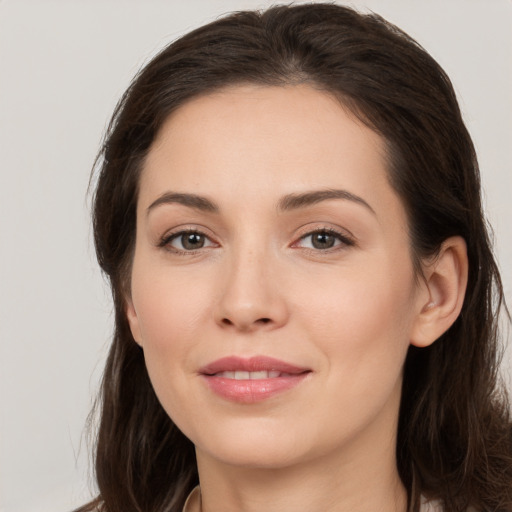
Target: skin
x,y
258,286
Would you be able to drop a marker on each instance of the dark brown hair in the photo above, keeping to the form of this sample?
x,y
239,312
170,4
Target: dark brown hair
x,y
454,436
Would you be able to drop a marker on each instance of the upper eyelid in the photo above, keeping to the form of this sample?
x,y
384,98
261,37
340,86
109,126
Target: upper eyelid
x,y
169,236
307,230
187,229
343,237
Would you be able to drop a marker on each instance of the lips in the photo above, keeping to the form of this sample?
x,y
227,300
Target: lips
x,y
251,380
243,375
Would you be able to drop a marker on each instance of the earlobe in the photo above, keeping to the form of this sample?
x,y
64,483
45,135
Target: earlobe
x,y
133,321
445,281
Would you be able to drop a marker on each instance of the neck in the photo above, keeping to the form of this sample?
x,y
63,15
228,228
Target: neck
x,y
357,480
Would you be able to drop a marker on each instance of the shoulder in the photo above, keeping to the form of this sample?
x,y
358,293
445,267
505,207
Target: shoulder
x,y
427,505
193,502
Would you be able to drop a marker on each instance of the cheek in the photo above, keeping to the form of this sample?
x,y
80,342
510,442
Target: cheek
x,y
362,319
169,306
172,310
361,331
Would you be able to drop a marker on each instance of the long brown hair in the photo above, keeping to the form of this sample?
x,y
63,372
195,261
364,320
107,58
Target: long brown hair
x,y
454,436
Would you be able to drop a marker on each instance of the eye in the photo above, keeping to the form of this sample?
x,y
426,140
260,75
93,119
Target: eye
x,y
187,241
324,239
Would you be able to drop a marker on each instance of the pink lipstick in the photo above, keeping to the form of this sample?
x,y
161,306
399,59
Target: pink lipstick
x,y
251,380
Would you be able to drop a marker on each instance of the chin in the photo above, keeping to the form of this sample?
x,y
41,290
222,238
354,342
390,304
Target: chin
x,y
255,457
253,448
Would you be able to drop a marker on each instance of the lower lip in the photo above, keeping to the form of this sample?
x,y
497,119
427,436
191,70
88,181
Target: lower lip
x,y
249,391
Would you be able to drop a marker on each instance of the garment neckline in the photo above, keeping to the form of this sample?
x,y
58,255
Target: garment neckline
x,y
193,502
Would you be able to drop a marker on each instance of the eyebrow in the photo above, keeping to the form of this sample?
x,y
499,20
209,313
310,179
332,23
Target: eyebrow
x,y
286,203
191,200
296,201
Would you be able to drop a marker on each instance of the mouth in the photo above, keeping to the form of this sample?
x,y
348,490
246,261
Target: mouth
x,y
251,380
243,375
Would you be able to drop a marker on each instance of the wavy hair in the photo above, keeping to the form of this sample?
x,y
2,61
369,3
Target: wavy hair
x,y
454,437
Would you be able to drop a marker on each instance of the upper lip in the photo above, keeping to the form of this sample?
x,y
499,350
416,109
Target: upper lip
x,y
251,364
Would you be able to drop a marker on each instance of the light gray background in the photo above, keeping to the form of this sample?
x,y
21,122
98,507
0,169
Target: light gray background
x,y
63,65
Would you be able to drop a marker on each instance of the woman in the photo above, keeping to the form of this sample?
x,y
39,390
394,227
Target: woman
x,y
288,209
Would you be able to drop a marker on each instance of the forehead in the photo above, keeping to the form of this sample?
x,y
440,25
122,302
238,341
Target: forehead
x,y
264,142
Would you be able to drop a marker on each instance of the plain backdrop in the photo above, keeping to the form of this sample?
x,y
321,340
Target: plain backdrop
x,y
63,65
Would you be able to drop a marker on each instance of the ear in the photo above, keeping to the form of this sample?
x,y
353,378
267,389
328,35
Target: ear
x,y
133,321
440,301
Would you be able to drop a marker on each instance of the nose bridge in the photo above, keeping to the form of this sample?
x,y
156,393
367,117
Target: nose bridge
x,y
250,296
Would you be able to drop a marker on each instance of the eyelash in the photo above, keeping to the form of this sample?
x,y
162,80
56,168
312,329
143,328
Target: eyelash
x,y
167,239
343,239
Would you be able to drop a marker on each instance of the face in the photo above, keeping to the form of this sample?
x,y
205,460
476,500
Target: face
x,y
273,290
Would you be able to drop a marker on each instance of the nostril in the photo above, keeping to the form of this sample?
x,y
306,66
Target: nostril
x,y
227,321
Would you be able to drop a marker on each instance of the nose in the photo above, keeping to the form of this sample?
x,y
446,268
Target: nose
x,y
251,298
